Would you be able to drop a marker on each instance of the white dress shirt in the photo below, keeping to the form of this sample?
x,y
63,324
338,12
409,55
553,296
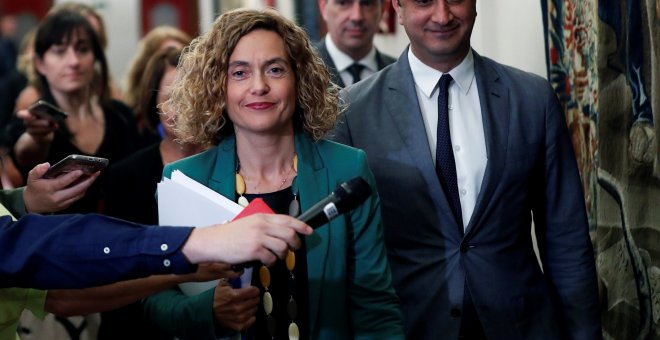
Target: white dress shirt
x,y
343,61
465,124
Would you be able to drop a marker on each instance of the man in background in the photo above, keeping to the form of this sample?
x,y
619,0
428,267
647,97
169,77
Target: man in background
x,y
348,49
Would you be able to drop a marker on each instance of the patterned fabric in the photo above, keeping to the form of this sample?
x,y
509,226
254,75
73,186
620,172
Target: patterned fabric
x,y
445,164
604,62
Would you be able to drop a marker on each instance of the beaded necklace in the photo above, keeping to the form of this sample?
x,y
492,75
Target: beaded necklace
x,y
290,261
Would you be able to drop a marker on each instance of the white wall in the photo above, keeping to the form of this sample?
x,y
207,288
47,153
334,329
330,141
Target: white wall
x,y
509,31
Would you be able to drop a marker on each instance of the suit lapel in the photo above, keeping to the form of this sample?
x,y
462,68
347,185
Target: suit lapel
x,y
223,179
495,112
403,106
312,184
330,65
380,63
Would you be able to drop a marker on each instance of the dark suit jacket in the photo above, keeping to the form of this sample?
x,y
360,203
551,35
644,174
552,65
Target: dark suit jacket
x,y
531,171
382,60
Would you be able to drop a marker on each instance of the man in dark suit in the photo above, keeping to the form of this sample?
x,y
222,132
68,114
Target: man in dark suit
x,y
463,165
348,50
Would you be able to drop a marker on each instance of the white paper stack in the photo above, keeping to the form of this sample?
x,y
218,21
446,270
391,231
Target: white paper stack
x,y
184,202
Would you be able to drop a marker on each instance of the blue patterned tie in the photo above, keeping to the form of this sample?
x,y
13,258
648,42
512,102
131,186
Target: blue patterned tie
x,y
445,165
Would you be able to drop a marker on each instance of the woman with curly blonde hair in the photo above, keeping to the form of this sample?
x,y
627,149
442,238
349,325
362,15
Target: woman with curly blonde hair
x,y
255,90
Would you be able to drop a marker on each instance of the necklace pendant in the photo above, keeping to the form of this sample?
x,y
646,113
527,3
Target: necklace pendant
x,y
243,202
294,332
294,208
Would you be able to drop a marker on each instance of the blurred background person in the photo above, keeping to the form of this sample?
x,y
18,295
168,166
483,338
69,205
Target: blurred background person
x,y
8,50
157,39
348,48
11,85
67,52
72,74
31,93
254,87
131,183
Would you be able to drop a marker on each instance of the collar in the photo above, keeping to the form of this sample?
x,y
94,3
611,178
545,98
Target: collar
x,y
426,77
343,60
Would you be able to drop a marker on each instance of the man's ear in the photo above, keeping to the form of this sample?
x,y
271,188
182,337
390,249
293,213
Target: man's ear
x,y
397,9
322,4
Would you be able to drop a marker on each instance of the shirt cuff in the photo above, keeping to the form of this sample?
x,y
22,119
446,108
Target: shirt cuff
x,y
165,245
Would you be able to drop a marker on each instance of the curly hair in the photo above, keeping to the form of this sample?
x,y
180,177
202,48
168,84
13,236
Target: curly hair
x,y
200,95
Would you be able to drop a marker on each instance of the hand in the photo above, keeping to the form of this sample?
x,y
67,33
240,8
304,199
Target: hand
x,y
43,195
263,237
40,129
235,308
213,271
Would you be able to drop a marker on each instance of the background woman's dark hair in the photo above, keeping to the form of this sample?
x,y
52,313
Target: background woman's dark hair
x,y
146,111
60,27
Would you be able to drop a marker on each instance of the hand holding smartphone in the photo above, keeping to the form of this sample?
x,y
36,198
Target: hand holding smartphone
x,y
46,110
88,164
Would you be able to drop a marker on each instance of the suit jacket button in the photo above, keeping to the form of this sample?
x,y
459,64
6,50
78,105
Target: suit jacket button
x,y
455,313
464,247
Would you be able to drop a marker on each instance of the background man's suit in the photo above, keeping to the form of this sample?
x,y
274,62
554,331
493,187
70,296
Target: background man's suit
x,y
381,59
531,167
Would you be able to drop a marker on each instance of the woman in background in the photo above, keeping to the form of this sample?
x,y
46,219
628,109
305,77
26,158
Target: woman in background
x,y
255,90
131,183
67,52
158,39
31,93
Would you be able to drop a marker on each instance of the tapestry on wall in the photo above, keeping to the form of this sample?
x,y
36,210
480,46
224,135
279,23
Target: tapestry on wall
x,y
604,63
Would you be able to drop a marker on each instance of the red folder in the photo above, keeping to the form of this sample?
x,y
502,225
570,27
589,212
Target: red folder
x,y
255,207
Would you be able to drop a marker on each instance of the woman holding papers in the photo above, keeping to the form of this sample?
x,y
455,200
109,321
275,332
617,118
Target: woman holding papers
x,y
254,90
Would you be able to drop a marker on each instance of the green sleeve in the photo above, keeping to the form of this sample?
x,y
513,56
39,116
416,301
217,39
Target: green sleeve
x,y
374,306
14,301
186,317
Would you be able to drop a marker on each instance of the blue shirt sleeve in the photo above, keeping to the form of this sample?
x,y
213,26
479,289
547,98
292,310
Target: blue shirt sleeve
x,y
78,251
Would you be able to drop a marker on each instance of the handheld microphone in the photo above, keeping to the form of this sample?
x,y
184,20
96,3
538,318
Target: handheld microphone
x,y
346,197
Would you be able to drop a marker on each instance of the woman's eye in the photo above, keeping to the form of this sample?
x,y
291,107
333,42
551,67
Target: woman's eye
x,y
238,74
83,48
58,49
276,71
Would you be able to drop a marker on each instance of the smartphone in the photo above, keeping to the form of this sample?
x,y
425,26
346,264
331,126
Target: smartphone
x,y
46,110
87,164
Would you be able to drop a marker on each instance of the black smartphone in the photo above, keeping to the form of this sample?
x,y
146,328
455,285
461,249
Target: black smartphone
x,y
87,164
46,110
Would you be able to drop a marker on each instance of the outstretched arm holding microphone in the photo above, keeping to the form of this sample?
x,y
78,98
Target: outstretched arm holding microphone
x,y
77,251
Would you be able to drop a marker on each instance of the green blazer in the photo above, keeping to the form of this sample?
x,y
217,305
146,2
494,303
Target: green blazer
x,y
350,285
13,201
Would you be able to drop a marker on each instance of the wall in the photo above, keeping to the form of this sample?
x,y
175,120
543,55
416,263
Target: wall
x,y
509,31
